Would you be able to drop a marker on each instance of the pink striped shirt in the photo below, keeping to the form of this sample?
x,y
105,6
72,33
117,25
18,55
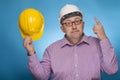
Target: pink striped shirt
x,y
83,61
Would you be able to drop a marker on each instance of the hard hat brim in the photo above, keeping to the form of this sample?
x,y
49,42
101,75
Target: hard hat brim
x,y
34,36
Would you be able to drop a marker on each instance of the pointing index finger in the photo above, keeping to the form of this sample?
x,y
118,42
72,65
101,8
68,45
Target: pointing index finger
x,y
96,20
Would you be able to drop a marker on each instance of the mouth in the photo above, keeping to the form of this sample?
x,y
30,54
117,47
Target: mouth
x,y
75,31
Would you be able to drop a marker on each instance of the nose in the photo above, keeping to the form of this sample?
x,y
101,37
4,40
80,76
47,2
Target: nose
x,y
74,26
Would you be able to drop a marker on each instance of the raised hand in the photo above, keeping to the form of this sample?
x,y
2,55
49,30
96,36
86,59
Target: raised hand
x,y
99,30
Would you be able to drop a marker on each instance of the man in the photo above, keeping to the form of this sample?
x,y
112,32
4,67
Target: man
x,y
76,56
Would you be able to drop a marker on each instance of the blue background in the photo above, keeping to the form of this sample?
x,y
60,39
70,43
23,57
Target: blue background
x,y
13,58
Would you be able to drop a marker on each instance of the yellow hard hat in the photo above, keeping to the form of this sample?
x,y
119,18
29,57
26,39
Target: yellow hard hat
x,y
31,23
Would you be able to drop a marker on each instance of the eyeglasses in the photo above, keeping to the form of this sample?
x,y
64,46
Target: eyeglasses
x,y
70,23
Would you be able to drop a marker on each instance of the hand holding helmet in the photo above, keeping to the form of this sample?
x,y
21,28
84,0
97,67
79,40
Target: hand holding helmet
x,y
29,46
31,25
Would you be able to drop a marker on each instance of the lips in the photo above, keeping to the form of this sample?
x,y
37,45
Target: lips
x,y
75,31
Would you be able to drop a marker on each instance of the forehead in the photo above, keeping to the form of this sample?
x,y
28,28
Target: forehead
x,y
72,18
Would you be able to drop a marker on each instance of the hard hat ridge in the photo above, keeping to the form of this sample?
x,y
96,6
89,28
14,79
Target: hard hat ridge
x,y
31,23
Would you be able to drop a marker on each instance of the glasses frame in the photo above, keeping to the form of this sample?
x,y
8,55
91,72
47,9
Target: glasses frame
x,y
70,23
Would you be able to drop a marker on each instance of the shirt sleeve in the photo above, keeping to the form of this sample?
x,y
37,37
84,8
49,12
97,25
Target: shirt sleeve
x,y
39,69
109,63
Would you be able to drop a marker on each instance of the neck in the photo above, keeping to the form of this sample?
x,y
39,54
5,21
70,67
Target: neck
x,y
74,41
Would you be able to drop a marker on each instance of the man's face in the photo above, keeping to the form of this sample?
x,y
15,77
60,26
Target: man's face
x,y
73,27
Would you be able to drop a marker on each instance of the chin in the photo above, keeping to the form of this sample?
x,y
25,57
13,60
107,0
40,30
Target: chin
x,y
76,37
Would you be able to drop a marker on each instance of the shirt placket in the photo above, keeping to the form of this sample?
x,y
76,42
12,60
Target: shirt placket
x,y
76,63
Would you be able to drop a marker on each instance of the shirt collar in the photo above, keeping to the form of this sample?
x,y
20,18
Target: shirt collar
x,y
65,42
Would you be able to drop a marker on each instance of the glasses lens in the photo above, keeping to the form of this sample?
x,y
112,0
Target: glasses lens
x,y
70,23
77,22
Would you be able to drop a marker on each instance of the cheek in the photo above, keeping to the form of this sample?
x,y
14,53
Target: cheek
x,y
81,28
66,30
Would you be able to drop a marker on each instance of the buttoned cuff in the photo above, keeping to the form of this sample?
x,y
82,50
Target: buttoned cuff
x,y
105,43
33,58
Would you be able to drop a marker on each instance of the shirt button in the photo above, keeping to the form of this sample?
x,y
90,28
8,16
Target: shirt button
x,y
103,55
75,55
76,75
75,65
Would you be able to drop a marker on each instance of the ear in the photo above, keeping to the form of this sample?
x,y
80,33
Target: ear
x,y
83,23
62,28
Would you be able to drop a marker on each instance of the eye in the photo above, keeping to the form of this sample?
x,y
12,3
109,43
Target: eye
x,y
68,23
78,21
